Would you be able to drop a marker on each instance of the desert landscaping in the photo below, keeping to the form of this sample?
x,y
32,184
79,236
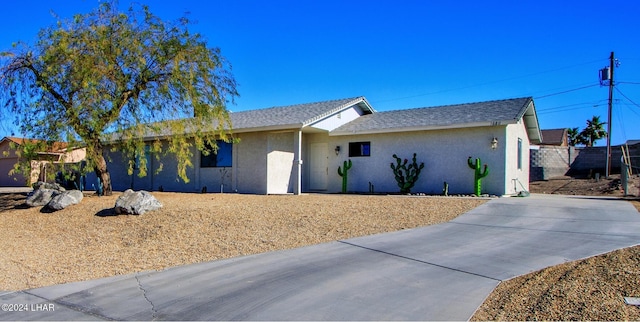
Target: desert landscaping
x,y
89,240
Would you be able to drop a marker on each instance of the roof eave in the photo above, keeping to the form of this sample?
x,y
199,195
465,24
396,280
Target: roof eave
x,y
530,118
424,128
295,126
290,127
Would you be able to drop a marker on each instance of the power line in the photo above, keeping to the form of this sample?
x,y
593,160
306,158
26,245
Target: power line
x,y
625,96
491,82
563,110
553,90
567,91
592,103
619,115
634,110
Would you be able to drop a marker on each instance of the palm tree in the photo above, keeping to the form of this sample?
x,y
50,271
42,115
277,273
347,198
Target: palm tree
x,y
573,136
594,131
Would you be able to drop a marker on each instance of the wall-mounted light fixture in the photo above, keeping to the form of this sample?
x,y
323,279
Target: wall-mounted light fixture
x,y
337,149
494,143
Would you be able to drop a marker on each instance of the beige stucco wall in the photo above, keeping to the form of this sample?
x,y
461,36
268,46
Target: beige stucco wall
x,y
214,178
168,178
117,164
515,132
444,153
307,140
264,162
250,157
280,156
74,156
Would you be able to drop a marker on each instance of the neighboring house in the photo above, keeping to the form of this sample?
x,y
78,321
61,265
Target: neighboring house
x,y
59,153
552,157
8,158
555,137
298,148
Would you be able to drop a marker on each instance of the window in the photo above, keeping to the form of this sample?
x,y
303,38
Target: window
x,y
220,158
359,149
519,154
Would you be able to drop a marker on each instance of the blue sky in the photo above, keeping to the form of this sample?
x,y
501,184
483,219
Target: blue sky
x,y
405,54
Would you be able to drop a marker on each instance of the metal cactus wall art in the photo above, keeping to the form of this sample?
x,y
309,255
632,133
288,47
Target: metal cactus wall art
x,y
478,175
343,173
406,175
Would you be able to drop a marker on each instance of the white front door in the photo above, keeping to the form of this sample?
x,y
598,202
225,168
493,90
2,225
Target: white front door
x,y
319,166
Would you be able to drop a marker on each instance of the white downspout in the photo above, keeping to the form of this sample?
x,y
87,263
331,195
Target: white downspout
x,y
297,162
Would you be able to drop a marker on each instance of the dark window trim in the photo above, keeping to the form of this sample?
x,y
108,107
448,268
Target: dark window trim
x,y
225,164
360,149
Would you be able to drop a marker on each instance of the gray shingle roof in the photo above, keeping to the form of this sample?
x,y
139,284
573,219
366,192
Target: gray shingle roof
x,y
450,116
290,116
273,118
490,113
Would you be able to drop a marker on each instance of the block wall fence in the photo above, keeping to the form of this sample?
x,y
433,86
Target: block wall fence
x,y
554,161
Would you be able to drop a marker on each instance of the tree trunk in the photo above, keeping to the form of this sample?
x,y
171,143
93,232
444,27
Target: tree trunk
x,y
103,173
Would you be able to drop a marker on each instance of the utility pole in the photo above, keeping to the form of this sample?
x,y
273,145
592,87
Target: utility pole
x,y
608,165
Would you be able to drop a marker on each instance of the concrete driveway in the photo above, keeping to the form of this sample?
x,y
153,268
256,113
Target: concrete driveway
x,y
440,272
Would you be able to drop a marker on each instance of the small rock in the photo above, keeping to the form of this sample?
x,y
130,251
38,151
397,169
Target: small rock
x,y
40,197
136,203
65,199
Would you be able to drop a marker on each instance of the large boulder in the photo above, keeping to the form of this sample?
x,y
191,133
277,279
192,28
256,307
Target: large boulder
x,y
45,185
65,199
42,193
136,202
40,197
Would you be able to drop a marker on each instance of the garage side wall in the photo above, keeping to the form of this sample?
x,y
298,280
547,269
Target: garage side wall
x,y
444,153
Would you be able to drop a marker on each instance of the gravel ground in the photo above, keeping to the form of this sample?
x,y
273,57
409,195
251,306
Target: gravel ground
x,y
88,241
588,290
